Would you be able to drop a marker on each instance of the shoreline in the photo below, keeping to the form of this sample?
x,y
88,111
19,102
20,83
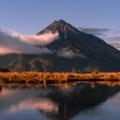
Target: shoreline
x,y
48,78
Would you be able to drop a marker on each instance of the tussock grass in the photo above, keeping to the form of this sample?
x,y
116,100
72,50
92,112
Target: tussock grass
x,y
55,77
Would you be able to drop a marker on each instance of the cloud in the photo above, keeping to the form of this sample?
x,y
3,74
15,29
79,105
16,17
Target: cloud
x,y
12,44
114,38
114,41
40,40
70,54
99,32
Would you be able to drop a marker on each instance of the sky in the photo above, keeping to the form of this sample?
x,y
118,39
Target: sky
x,y
30,16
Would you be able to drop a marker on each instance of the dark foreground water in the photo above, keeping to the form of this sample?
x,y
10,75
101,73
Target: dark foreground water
x,y
83,101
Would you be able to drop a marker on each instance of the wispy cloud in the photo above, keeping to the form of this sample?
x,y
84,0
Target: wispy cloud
x,y
114,41
13,44
41,40
99,32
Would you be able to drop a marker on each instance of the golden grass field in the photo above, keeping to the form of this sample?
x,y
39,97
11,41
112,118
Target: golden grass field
x,y
55,77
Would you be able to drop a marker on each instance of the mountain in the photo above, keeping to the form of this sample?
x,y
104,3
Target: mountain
x,y
73,50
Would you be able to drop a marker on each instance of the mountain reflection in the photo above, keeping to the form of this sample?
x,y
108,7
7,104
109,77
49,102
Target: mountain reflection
x,y
81,97
62,102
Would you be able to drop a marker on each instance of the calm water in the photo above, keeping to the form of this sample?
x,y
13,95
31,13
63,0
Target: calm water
x,y
81,101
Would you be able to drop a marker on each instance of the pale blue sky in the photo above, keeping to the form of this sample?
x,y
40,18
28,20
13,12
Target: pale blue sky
x,y
30,16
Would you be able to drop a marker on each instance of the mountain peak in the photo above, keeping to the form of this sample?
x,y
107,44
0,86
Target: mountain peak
x,y
60,22
60,26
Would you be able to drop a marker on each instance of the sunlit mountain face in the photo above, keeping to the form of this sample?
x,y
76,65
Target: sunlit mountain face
x,y
60,47
56,103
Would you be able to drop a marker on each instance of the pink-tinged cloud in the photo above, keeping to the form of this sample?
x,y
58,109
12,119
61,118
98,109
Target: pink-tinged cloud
x,y
12,44
41,40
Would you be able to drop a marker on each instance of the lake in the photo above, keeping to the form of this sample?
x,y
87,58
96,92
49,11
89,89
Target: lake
x,y
70,101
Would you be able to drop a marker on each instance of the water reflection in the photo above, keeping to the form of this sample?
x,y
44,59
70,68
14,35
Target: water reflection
x,y
55,103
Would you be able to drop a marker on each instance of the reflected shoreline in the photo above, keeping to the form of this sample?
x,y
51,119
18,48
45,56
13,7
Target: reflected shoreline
x,y
64,85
